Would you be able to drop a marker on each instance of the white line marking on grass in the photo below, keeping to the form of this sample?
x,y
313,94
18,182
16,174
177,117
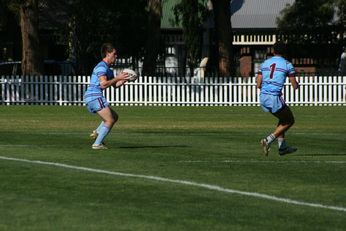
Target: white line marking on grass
x,y
268,161
16,145
26,145
183,182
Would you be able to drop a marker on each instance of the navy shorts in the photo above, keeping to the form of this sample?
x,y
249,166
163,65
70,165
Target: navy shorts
x,y
97,104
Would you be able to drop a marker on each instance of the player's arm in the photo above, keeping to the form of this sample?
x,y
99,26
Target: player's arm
x,y
116,82
121,79
293,81
259,80
291,76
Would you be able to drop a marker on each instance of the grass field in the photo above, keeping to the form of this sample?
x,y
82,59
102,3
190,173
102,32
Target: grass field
x,y
213,176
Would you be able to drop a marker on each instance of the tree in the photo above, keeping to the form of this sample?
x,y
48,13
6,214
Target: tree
x,y
191,13
3,14
312,30
92,23
152,37
224,36
31,57
27,12
341,11
306,17
341,22
9,23
83,25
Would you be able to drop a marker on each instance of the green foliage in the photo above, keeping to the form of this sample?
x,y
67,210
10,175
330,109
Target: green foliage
x,y
191,14
120,22
341,13
9,5
306,16
3,10
12,5
312,30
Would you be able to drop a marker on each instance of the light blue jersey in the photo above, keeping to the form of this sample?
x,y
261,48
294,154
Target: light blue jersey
x,y
94,90
274,72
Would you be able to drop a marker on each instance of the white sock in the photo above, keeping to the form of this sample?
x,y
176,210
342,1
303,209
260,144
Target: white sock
x,y
281,143
270,138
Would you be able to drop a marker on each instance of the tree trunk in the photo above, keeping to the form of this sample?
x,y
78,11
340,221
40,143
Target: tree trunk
x,y
31,59
224,35
153,37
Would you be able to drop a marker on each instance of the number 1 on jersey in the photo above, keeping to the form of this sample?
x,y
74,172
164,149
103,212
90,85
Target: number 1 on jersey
x,y
272,69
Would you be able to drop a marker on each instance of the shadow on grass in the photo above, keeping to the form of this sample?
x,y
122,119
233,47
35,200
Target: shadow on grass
x,y
323,154
155,146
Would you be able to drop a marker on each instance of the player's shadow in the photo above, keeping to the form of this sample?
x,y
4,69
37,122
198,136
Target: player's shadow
x,y
324,154
154,146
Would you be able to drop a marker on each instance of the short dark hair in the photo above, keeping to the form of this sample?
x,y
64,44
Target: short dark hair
x,y
279,48
106,48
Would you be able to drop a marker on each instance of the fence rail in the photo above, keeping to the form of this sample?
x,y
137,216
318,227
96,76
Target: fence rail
x,y
168,91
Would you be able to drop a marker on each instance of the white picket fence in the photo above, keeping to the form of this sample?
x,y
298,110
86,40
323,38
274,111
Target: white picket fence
x,y
168,91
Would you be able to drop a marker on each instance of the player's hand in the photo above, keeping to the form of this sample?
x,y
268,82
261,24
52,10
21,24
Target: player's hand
x,y
120,83
122,76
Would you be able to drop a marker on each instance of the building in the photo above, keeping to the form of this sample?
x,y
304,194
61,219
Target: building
x,y
254,32
254,28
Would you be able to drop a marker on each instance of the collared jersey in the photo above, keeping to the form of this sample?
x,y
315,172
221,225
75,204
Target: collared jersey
x,y
94,90
274,72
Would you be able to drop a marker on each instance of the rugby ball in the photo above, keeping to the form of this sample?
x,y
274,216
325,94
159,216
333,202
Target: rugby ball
x,y
132,74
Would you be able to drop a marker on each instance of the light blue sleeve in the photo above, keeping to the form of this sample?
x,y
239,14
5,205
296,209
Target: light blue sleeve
x,y
290,69
100,70
260,69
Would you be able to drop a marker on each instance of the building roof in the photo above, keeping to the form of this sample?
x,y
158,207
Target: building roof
x,y
256,13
